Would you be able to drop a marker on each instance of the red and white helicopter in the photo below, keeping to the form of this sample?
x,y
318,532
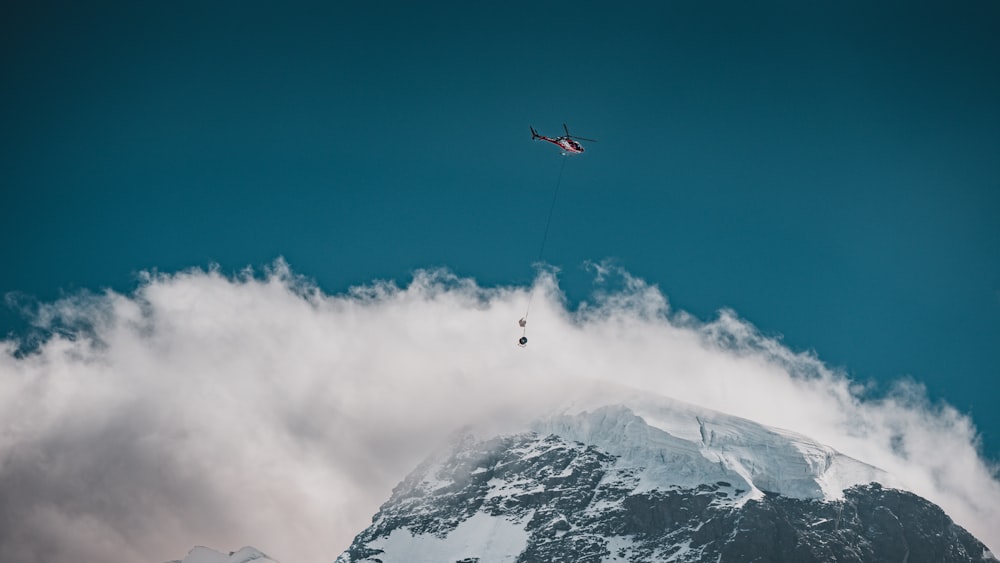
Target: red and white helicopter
x,y
568,143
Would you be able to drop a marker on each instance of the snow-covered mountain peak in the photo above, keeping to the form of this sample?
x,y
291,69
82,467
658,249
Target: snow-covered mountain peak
x,y
623,477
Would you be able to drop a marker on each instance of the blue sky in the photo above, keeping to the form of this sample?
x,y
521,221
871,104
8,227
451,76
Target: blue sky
x,y
829,171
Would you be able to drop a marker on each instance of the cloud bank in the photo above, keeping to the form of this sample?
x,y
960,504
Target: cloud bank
x,y
255,409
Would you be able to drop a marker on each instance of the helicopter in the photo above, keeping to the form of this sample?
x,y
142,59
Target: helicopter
x,y
568,143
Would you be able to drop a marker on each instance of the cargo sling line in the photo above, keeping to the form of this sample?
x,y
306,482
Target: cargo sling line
x,y
523,323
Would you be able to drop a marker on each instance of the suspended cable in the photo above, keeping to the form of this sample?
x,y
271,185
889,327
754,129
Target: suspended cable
x,y
552,207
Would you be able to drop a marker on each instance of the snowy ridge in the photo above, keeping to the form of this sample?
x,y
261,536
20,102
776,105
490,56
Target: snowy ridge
x,y
678,444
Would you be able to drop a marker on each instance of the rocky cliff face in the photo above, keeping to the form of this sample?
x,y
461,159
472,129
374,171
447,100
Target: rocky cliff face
x,y
540,497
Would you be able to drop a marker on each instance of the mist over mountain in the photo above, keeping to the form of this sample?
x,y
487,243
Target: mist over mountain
x,y
206,555
226,410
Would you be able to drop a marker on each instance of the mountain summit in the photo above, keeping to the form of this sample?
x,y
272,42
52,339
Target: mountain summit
x,y
653,480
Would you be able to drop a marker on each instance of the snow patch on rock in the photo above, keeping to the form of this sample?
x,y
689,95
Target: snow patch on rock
x,y
481,533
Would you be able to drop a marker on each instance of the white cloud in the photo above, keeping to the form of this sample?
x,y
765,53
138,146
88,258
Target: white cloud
x,y
204,409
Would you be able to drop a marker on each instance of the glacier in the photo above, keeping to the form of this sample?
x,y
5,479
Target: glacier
x,y
679,444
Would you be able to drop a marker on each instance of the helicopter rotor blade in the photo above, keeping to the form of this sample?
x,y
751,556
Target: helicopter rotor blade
x,y
568,136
